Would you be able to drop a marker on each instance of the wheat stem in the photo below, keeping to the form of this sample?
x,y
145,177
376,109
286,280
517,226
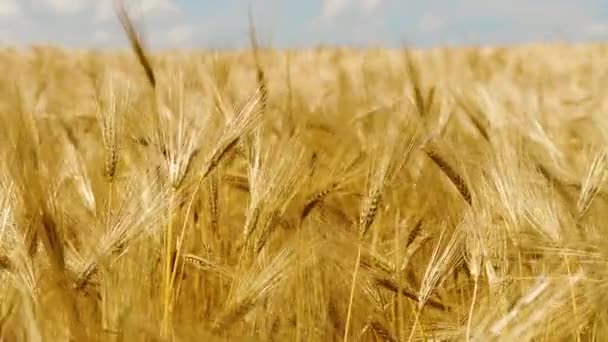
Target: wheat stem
x,y
168,270
352,294
472,307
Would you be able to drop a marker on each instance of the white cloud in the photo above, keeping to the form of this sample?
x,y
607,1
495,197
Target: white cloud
x,y
9,8
595,29
430,22
336,21
370,5
65,6
104,9
101,36
157,6
179,34
6,39
334,8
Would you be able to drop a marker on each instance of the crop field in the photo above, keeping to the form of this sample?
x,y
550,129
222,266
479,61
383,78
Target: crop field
x,y
328,194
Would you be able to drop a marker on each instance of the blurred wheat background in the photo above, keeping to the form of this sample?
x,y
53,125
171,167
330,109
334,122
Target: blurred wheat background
x,y
448,194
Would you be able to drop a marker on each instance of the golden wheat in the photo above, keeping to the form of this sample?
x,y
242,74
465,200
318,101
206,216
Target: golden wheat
x,y
318,195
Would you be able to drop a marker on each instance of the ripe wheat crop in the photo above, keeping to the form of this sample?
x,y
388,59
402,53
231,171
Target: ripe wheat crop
x,y
448,194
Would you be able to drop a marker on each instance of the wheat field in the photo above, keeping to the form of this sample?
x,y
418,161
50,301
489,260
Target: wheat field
x,y
448,194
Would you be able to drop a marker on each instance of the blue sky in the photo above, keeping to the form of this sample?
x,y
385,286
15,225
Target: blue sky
x,y
297,23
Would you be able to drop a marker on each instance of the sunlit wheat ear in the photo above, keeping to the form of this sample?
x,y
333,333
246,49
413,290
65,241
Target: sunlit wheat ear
x,y
140,212
378,329
76,174
317,198
441,265
546,300
416,240
110,116
375,262
413,74
51,234
452,175
136,41
382,332
25,279
219,101
237,181
592,183
538,134
391,157
274,180
182,120
504,181
331,179
554,181
208,265
9,235
474,113
214,201
8,201
252,287
475,256
240,124
260,74
369,210
396,288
